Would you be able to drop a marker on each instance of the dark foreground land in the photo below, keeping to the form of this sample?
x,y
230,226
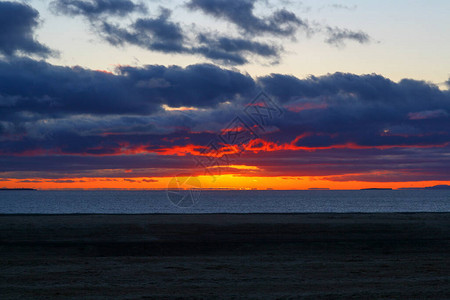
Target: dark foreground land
x,y
311,256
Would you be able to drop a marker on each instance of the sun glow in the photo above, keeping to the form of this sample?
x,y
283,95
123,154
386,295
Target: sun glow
x,y
181,108
228,181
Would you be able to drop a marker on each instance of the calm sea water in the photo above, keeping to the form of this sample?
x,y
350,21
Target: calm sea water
x,y
136,202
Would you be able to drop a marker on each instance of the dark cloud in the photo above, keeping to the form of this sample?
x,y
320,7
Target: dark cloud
x,y
163,31
17,24
158,34
200,85
232,50
63,181
368,110
63,166
338,36
162,34
31,181
149,180
96,8
399,164
41,88
241,13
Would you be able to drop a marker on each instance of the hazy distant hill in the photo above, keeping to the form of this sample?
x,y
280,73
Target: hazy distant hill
x,y
436,187
20,189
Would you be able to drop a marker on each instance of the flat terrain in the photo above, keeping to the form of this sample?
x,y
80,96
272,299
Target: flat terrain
x,y
310,256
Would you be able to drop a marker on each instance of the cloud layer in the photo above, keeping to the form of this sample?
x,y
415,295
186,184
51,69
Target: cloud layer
x,y
156,119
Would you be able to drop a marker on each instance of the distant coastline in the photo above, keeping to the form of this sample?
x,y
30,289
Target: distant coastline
x,y
17,189
436,187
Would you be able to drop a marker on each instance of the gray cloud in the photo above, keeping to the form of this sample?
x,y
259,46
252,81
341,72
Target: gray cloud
x,y
282,23
233,50
343,6
94,9
159,34
17,24
162,34
240,13
338,36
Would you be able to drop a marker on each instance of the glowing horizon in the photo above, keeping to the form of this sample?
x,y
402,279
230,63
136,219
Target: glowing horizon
x,y
229,182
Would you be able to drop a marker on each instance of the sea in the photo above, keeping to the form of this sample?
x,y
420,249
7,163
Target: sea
x,y
221,201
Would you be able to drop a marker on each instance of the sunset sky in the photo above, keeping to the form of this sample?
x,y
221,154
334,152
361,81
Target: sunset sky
x,y
269,94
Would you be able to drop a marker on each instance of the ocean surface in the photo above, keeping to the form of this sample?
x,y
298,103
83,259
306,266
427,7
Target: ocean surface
x,y
137,202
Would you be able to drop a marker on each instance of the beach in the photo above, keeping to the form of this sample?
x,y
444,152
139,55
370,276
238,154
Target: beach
x,y
310,256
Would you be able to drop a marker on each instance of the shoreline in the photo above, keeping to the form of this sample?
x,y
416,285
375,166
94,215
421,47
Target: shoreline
x,y
225,213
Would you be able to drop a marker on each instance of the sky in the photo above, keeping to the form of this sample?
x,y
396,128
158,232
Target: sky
x,y
250,94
